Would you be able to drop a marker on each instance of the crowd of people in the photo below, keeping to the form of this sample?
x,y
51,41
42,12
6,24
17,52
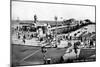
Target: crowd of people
x,y
51,39
45,35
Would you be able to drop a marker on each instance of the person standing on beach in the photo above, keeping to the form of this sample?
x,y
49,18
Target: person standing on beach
x,y
24,38
75,49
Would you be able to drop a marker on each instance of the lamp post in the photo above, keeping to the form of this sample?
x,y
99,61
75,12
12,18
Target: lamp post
x,y
44,50
56,28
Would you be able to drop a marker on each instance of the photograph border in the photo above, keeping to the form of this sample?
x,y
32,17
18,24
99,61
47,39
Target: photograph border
x,y
44,3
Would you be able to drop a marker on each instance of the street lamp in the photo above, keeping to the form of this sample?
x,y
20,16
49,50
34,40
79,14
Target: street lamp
x,y
44,50
56,28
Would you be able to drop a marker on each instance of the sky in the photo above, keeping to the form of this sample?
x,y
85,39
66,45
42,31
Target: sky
x,y
45,11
